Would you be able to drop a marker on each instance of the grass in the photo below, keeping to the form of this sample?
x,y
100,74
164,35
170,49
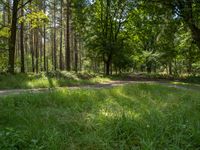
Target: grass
x,y
62,79
186,85
48,80
146,117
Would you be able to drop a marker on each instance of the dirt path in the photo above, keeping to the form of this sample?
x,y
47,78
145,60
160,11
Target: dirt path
x,y
95,86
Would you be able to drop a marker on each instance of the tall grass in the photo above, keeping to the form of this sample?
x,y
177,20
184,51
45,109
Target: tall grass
x,y
47,80
131,117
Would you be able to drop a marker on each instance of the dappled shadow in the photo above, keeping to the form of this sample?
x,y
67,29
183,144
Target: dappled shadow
x,y
128,117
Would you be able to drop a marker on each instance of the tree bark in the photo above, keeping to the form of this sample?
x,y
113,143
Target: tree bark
x,y
44,42
75,53
107,68
36,50
12,39
22,43
68,56
54,38
61,36
32,51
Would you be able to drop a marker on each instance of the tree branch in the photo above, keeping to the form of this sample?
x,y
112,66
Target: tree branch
x,y
24,4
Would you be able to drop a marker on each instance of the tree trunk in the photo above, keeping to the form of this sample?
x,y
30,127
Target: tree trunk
x,y
12,39
107,67
76,52
61,36
54,38
32,51
41,52
36,50
44,46
68,56
22,43
4,15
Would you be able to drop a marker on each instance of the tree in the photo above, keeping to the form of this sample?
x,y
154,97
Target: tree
x,y
12,39
13,31
68,53
22,41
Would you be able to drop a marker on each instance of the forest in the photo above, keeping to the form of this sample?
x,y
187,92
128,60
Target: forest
x,y
100,74
100,36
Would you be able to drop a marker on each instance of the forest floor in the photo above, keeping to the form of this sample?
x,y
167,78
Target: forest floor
x,y
62,110
138,115
105,84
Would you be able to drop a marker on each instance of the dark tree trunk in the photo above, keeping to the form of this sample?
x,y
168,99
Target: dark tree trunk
x,y
4,15
54,38
76,52
61,36
41,52
68,56
12,39
44,49
22,43
44,46
80,56
52,49
36,50
32,51
107,68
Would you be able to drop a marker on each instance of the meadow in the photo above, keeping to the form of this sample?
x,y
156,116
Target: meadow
x,y
48,80
139,116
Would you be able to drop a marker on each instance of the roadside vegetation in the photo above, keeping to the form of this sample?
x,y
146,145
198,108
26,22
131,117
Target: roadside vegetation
x,y
63,79
49,80
130,117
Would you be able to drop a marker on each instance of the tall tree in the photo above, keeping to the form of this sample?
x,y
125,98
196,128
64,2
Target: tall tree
x,y
61,35
68,53
44,39
22,41
54,36
12,39
13,32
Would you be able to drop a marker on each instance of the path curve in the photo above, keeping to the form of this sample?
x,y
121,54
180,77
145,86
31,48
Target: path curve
x,y
110,84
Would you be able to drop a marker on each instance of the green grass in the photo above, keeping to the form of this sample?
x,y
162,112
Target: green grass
x,y
47,80
186,85
146,117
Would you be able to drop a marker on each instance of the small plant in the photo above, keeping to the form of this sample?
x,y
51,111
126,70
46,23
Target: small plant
x,y
11,139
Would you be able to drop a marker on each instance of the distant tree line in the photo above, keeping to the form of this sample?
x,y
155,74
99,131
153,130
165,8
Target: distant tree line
x,y
102,36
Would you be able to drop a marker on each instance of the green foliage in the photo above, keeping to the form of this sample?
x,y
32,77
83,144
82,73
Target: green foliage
x,y
4,35
5,32
121,34
36,18
3,61
106,37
